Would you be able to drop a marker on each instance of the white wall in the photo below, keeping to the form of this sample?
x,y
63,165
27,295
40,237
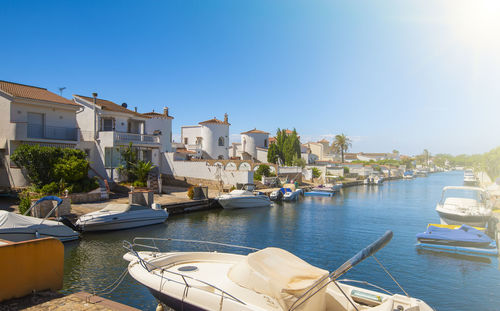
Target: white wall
x,y
262,155
165,126
210,144
190,132
53,116
200,169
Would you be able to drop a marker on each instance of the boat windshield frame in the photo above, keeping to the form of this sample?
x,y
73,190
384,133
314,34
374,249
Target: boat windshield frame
x,y
481,198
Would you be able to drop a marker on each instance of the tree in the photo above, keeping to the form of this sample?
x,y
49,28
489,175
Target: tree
x,y
287,147
272,153
342,143
141,170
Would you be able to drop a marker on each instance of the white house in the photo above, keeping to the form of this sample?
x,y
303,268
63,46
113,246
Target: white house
x,y
32,115
209,139
253,146
377,156
107,128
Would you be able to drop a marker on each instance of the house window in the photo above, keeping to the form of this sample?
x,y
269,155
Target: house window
x,y
185,140
221,157
107,125
221,141
265,142
112,157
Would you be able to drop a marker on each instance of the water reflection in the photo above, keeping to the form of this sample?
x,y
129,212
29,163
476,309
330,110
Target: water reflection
x,y
325,231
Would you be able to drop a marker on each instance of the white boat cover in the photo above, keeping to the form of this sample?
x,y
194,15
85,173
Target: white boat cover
x,y
16,223
281,275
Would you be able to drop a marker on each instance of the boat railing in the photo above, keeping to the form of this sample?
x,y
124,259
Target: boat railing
x,y
51,198
147,265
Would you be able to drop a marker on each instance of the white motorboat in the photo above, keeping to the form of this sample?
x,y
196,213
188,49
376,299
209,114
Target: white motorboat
x,y
268,279
470,178
121,216
332,188
292,195
243,198
15,227
464,205
408,175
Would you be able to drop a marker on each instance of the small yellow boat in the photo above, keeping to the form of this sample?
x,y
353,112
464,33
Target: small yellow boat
x,y
453,226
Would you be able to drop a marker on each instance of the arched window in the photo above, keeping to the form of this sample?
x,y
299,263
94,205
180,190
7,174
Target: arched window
x,y
221,141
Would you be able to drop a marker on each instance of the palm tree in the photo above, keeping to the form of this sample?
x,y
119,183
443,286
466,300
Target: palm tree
x,y
342,143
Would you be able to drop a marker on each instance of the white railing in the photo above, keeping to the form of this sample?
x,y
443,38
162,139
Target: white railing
x,y
139,138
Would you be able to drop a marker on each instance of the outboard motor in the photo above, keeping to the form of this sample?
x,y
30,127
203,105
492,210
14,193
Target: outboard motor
x,y
68,223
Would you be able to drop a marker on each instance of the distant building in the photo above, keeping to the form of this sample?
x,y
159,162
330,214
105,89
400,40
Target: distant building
x,y
209,139
377,156
253,146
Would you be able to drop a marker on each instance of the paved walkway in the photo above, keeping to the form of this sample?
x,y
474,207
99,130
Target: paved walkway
x,y
52,301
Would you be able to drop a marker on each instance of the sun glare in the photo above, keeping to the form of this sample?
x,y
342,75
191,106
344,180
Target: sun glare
x,y
475,24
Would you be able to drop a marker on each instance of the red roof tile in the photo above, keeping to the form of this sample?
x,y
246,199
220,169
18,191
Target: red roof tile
x,y
110,106
33,92
214,121
255,131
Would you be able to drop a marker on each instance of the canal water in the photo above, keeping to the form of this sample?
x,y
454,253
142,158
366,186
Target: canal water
x,y
323,231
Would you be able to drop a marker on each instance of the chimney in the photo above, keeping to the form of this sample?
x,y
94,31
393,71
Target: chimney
x,y
135,109
225,118
165,111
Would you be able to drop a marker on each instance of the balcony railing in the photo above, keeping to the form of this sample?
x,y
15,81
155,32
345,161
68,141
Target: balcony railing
x,y
52,132
137,138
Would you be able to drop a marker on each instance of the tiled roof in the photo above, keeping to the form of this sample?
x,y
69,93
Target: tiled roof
x,y
156,114
323,141
214,121
255,131
110,106
32,92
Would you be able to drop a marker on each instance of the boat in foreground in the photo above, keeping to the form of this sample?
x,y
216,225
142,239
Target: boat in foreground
x,y
16,228
243,198
268,279
464,205
121,216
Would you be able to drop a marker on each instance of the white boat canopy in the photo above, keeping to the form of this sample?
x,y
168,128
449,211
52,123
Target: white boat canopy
x,y
12,223
281,275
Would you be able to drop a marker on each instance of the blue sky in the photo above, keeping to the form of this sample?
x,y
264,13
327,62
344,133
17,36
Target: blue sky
x,y
403,75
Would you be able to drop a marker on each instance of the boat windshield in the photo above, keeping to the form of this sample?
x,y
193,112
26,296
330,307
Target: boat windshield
x,y
475,195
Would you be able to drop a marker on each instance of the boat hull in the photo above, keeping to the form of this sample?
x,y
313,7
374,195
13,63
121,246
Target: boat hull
x,y
454,243
121,224
456,219
245,202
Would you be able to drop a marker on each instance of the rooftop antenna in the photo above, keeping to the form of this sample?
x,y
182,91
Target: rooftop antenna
x,y
61,89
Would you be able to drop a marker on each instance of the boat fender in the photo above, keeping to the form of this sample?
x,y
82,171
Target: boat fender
x,y
37,235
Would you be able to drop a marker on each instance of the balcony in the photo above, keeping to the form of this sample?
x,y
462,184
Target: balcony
x,y
52,132
119,138
26,131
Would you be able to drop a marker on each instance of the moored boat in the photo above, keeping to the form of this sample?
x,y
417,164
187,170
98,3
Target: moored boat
x,y
121,216
268,279
243,198
15,227
464,235
464,205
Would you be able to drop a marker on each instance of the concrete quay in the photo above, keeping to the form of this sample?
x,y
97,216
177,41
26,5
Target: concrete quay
x,y
54,301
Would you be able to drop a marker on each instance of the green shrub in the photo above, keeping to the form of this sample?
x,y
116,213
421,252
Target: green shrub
x,y
52,188
316,172
264,170
24,202
257,176
51,170
139,183
346,170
